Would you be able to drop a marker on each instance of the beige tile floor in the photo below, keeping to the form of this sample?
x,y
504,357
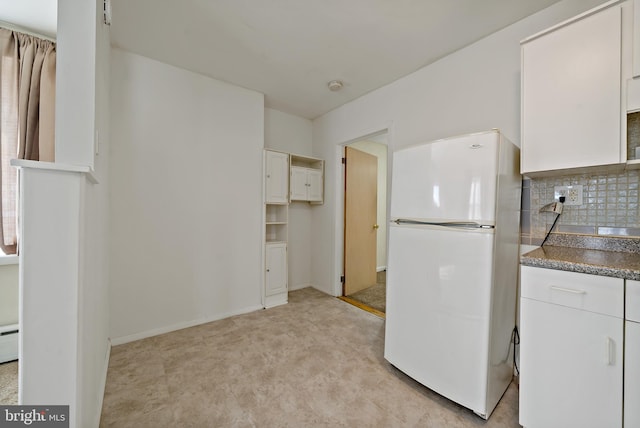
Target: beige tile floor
x,y
316,362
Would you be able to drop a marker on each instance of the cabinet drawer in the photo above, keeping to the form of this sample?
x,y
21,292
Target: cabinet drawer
x,y
633,301
592,293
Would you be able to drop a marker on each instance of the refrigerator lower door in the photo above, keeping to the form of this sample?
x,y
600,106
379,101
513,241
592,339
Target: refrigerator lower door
x,y
438,303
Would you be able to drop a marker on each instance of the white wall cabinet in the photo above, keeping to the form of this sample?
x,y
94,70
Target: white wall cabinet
x,y
287,178
636,38
571,350
307,179
276,186
572,93
306,184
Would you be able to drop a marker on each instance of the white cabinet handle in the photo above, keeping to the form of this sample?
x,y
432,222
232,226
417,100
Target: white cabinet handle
x,y
567,290
610,351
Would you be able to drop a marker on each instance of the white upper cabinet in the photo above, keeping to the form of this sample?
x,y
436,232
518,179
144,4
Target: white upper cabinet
x,y
573,93
636,38
306,184
307,179
276,177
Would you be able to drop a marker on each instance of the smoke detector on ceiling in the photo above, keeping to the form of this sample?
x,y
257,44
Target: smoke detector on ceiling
x,y
335,85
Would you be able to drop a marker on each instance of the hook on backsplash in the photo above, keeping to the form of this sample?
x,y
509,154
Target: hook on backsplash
x,y
553,207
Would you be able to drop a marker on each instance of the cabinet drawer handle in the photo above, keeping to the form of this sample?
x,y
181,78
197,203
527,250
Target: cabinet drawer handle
x,y
568,290
609,356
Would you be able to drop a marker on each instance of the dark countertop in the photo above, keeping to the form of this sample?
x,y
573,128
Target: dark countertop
x,y
583,260
618,257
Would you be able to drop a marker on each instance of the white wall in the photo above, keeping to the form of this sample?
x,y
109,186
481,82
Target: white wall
x,y
8,294
186,211
293,134
476,88
379,150
287,133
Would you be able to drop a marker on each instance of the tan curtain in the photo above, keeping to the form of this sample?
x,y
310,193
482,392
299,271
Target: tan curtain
x,y
27,116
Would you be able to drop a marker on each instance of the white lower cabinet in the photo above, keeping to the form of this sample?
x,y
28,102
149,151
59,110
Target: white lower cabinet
x,y
276,273
571,349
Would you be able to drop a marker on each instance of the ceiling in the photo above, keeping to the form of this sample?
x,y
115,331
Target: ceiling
x,y
290,49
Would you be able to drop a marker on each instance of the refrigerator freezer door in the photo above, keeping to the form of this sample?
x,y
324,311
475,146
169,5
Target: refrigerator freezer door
x,y
438,302
453,179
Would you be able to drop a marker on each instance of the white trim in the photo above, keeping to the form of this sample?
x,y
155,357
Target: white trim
x,y
338,225
53,166
381,268
300,286
564,23
10,259
179,326
103,382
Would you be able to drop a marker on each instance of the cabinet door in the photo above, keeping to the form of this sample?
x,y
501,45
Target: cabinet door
x,y
632,375
276,266
299,186
571,367
571,95
315,185
276,177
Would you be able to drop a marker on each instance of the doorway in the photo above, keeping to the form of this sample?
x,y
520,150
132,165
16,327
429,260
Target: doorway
x,y
365,224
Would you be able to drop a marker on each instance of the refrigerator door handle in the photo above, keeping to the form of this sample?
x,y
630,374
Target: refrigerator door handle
x,y
455,224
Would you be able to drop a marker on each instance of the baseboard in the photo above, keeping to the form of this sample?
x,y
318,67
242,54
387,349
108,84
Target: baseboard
x,y
299,286
179,326
103,382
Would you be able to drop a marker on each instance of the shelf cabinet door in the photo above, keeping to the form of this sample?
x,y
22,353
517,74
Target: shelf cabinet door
x,y
276,268
314,185
276,177
571,367
299,188
571,95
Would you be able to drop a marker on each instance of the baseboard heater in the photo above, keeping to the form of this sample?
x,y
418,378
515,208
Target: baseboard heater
x,y
9,342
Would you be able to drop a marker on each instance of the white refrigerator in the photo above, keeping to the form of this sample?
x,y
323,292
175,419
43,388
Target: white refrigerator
x,y
453,266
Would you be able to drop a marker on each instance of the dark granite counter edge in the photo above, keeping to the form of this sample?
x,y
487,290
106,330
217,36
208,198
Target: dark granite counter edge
x,y
580,268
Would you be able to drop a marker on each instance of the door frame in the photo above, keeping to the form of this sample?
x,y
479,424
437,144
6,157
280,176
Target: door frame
x,y
340,191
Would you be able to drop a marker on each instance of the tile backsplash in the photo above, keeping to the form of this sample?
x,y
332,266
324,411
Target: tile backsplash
x,y
610,206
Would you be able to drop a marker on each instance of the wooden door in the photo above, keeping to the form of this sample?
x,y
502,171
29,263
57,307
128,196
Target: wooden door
x,y
360,228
